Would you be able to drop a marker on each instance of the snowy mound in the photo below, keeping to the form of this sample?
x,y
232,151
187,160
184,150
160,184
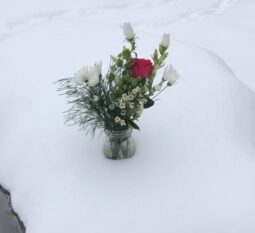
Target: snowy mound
x,y
194,166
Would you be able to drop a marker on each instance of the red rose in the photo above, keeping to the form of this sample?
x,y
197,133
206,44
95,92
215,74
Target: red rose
x,y
142,68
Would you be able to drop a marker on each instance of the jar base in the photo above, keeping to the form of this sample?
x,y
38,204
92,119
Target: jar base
x,y
109,154
119,145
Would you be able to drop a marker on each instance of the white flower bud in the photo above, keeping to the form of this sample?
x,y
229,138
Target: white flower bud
x,y
128,31
170,75
165,40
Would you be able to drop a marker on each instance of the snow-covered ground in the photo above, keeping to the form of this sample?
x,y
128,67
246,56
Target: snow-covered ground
x,y
194,170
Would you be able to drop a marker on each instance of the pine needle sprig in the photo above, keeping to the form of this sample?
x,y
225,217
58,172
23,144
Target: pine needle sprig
x,y
85,111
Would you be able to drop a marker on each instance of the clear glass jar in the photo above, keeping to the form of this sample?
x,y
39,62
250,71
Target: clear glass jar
x,y
119,144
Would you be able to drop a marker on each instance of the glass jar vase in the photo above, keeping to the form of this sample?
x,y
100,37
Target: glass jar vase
x,y
119,144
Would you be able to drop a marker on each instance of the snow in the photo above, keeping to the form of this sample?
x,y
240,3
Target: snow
x,y
194,166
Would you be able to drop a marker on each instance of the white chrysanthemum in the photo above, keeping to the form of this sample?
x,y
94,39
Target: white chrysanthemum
x,y
170,75
157,87
128,31
81,75
90,74
165,40
93,77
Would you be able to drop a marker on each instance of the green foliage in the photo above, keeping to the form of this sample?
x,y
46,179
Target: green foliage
x,y
158,63
133,124
118,100
149,103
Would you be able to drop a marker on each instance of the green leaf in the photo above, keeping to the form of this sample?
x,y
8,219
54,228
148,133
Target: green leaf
x,y
133,124
114,59
155,55
162,58
149,103
111,76
126,54
119,63
162,49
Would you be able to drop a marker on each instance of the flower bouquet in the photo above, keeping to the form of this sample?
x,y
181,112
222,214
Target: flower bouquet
x,y
115,101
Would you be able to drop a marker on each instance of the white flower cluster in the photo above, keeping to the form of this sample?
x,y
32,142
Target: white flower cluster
x,y
118,98
120,121
133,101
89,74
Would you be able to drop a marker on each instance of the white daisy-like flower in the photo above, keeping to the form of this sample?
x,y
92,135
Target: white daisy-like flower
x,y
89,74
128,31
122,123
142,102
132,105
111,106
96,98
165,40
131,97
170,75
117,119
136,90
124,97
93,77
123,112
122,105
81,75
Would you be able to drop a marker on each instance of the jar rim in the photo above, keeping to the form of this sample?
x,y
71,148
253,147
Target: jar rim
x,y
118,132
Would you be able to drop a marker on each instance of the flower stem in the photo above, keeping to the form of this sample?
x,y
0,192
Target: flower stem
x,y
160,92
